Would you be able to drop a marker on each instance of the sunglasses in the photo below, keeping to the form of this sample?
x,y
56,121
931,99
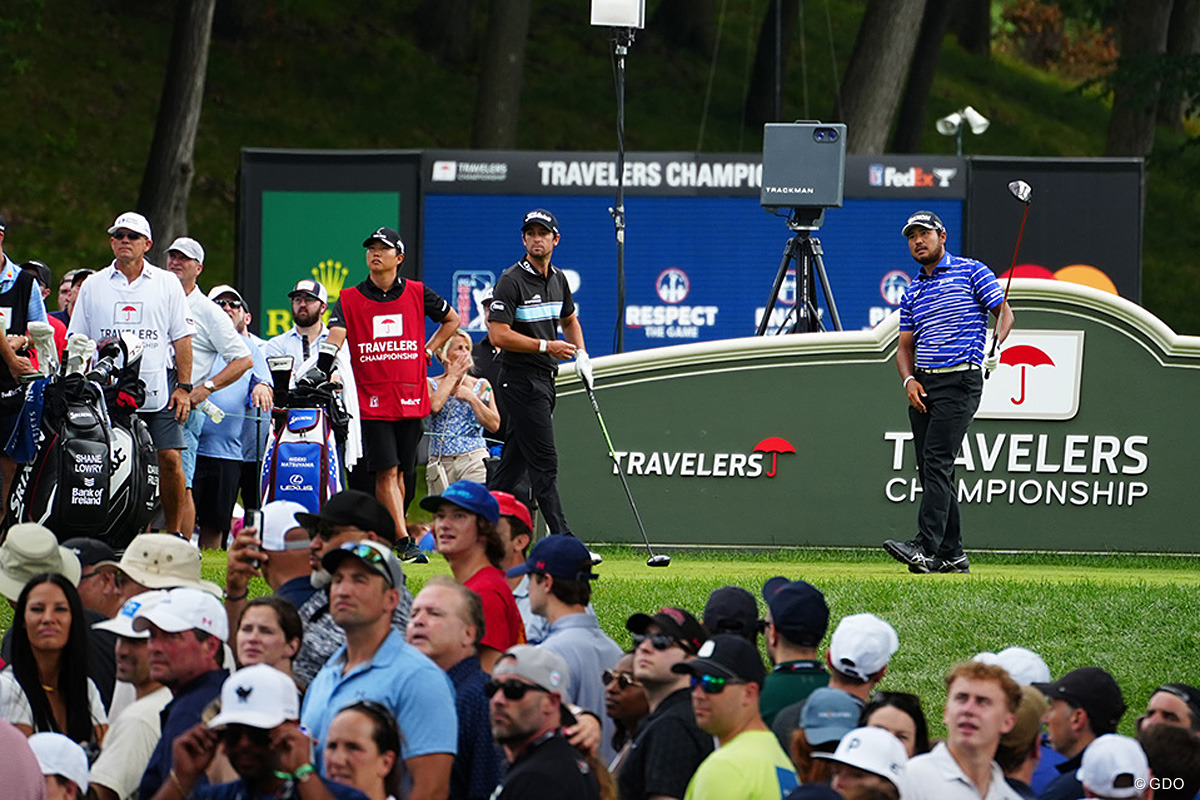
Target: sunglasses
x,y
232,734
513,690
624,679
130,235
711,684
230,303
659,641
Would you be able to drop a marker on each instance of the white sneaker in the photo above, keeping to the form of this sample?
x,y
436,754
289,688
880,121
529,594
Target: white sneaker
x,y
597,559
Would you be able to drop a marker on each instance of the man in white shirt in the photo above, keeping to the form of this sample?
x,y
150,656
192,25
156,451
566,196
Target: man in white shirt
x,y
132,295
134,732
981,706
309,301
214,335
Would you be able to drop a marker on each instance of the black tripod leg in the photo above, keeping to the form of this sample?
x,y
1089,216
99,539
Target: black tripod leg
x,y
823,276
789,253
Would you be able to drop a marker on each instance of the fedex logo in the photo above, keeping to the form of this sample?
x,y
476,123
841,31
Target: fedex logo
x,y
386,326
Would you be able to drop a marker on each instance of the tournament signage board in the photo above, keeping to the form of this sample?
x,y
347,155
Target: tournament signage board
x,y
805,440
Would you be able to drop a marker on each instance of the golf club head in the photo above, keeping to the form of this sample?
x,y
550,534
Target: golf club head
x,y
659,561
1021,190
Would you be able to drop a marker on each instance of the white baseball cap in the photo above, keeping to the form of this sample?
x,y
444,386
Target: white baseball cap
x,y
1023,665
279,517
1114,766
259,696
132,221
311,288
164,561
189,247
862,645
225,288
58,755
122,623
873,750
185,609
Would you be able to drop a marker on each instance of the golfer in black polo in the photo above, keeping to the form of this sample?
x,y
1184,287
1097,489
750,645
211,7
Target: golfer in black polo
x,y
531,301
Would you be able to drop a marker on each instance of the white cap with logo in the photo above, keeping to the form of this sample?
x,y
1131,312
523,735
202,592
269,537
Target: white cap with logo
x,y
873,750
862,645
122,623
259,696
185,609
132,221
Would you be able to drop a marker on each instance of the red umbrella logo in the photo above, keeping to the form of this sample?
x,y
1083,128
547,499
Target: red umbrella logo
x,y
1024,355
774,445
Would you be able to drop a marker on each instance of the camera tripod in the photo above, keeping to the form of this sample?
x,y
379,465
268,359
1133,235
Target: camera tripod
x,y
805,250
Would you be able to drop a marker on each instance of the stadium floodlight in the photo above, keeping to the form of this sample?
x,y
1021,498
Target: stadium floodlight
x,y
953,125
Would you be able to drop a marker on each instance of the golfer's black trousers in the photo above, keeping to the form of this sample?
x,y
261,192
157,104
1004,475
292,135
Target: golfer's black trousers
x,y
951,401
529,398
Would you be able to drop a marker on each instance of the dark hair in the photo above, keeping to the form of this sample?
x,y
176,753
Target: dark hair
x,y
908,703
80,276
571,592
493,545
472,603
1174,756
204,636
385,733
72,666
289,618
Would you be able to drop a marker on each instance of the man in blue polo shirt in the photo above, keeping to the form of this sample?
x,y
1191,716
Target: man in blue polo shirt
x,y
943,331
377,664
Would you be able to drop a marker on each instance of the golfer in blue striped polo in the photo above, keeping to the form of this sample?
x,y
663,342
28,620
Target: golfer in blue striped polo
x,y
943,328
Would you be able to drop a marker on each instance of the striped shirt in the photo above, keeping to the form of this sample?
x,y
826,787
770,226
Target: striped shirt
x,y
947,311
533,306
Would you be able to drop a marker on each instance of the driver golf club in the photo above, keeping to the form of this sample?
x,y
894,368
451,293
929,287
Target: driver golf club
x,y
1023,192
662,560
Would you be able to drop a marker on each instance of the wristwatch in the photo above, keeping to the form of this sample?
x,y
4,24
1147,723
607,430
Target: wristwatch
x,y
187,387
212,387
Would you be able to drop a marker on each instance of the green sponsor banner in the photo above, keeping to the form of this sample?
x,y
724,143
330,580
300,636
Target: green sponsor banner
x,y
1085,440
315,235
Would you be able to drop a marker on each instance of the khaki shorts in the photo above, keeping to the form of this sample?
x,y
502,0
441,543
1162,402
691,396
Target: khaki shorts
x,y
445,470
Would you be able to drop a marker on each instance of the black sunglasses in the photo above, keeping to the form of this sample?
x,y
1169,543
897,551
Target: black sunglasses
x,y
712,684
130,235
659,641
230,303
513,690
232,733
624,679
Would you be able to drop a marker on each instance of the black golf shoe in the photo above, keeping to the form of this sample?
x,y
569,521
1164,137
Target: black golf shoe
x,y
410,553
958,565
910,553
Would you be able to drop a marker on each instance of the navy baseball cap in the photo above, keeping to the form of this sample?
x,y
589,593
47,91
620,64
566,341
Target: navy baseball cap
x,y
542,217
388,236
731,609
559,557
474,497
923,219
798,610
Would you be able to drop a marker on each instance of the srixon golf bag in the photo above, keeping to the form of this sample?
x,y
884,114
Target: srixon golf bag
x,y
94,472
301,462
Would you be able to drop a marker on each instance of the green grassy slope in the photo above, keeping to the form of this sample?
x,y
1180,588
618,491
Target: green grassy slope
x,y
79,87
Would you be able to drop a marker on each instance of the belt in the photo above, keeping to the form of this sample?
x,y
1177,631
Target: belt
x,y
963,367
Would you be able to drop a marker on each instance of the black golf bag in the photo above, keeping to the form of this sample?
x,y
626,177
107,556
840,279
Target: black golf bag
x,y
94,472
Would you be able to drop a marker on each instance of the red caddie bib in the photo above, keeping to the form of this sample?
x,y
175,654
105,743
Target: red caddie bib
x,y
387,352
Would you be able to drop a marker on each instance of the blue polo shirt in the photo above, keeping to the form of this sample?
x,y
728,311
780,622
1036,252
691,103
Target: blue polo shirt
x,y
947,311
179,716
238,790
477,766
401,678
8,276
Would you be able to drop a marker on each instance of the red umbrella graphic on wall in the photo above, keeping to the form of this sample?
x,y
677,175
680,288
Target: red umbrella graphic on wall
x,y
1023,356
774,445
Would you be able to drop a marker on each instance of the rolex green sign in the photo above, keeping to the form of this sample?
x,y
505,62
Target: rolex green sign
x,y
315,235
1085,439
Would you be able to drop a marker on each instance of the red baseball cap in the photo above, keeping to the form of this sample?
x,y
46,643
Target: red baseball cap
x,y
512,507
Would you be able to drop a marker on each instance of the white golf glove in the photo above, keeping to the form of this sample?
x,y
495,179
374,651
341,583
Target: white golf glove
x,y
991,362
583,366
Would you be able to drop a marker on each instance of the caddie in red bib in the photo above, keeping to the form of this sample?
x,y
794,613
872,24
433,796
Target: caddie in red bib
x,y
382,321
